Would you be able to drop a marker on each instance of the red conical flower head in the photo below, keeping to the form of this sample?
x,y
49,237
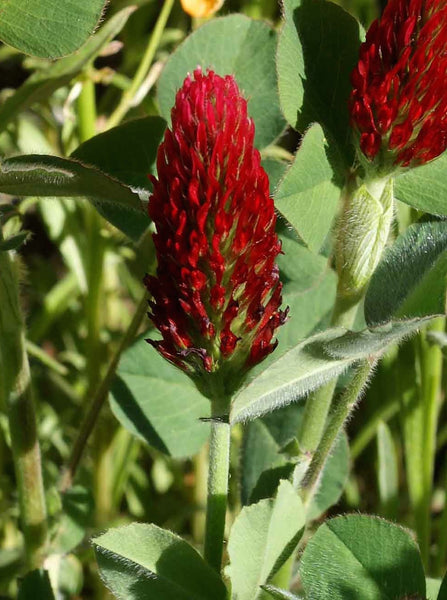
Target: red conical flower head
x,y
216,295
399,100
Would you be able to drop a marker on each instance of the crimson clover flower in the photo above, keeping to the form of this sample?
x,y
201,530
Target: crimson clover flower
x,y
399,97
216,294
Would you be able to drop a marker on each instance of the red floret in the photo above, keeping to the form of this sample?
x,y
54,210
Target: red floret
x,y
399,98
216,294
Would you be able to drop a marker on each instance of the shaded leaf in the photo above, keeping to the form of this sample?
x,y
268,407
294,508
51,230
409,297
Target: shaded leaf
x,y
361,557
275,170
443,589
307,196
263,464
77,506
309,287
333,479
143,561
410,280
127,152
265,460
35,586
158,403
317,50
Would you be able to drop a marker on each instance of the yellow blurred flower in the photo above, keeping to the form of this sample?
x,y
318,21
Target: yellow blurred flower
x,y
201,8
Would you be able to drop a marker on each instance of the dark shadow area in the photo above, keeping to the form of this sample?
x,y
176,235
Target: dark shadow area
x,y
268,482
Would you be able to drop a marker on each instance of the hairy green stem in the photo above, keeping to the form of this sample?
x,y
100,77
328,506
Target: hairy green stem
x,y
99,398
319,402
154,41
219,464
15,381
339,414
86,107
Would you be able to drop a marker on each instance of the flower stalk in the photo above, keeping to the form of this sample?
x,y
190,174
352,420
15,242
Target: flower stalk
x,y
339,414
216,294
216,508
16,393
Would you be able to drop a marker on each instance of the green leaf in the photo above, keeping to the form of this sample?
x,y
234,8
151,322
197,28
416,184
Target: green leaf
x,y
129,154
275,170
317,51
48,29
15,241
361,557
388,474
374,341
35,586
250,57
307,196
410,280
42,84
279,594
264,460
262,537
433,587
263,464
41,175
77,506
425,188
312,363
158,403
309,292
143,561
